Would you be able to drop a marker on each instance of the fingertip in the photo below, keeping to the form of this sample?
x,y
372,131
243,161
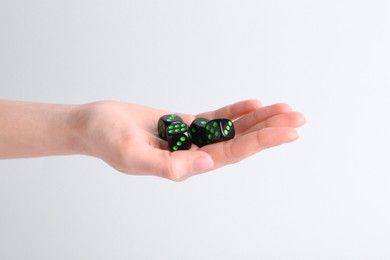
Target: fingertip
x,y
292,135
282,107
254,104
301,119
291,119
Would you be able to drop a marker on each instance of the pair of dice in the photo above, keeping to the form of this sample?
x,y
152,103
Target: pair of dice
x,y
202,131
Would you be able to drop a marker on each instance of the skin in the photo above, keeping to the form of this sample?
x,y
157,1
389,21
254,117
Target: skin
x,y
125,135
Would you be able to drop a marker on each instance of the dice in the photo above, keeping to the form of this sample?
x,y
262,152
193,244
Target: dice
x,y
220,129
172,129
204,131
178,137
201,132
198,131
164,122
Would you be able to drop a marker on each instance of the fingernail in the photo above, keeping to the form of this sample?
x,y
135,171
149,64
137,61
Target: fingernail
x,y
202,163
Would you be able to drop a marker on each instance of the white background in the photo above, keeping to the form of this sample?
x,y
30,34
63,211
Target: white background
x,y
326,196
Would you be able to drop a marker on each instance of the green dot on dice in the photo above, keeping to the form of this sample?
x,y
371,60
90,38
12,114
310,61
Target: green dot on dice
x,y
226,132
179,143
208,128
183,125
216,134
215,124
230,123
170,131
227,127
183,138
175,148
212,131
210,136
169,120
203,122
193,130
183,129
177,130
170,127
177,126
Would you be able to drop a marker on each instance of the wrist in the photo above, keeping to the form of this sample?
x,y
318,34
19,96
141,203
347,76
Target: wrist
x,y
76,121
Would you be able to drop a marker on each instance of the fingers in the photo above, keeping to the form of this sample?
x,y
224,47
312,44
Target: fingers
x,y
180,165
252,119
233,111
244,146
290,119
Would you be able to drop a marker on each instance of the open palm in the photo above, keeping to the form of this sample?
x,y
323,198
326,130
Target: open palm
x,y
125,136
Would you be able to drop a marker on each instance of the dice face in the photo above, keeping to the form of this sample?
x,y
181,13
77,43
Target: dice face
x,y
220,129
178,137
227,128
198,131
164,122
213,131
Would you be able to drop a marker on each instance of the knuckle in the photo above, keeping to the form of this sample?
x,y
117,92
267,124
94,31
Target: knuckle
x,y
168,171
172,175
174,168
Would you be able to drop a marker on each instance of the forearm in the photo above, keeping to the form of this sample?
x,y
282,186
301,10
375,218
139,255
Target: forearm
x,y
36,129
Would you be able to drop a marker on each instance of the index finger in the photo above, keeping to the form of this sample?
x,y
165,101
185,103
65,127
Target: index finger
x,y
233,111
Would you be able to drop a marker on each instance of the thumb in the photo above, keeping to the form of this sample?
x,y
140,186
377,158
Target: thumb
x,y
176,166
185,164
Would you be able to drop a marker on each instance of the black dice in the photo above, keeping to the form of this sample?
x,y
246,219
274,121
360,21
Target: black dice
x,y
164,122
205,131
198,131
201,132
177,136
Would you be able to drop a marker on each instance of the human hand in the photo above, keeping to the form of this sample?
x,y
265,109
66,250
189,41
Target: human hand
x,y
125,136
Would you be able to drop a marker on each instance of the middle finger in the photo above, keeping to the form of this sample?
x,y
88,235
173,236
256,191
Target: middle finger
x,y
243,124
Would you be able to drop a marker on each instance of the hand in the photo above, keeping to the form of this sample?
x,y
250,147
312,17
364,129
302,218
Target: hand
x,y
125,136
